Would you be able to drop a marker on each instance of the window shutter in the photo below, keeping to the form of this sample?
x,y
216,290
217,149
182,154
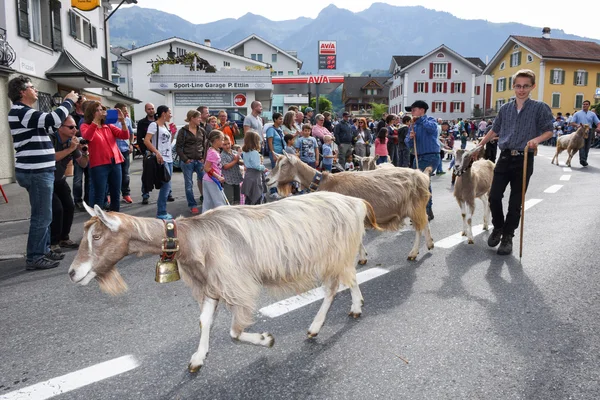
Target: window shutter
x,y
464,87
415,87
72,24
433,87
446,87
575,78
598,79
94,36
430,70
433,107
497,85
56,25
449,70
426,87
23,18
462,107
562,77
452,87
551,76
585,78
451,107
509,82
444,107
519,57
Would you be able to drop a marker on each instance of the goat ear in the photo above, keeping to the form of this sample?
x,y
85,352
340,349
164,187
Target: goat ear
x,y
112,222
89,209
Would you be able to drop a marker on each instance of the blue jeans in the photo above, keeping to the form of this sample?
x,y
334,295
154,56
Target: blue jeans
x,y
327,167
188,178
163,194
429,160
101,176
125,191
381,160
40,186
81,191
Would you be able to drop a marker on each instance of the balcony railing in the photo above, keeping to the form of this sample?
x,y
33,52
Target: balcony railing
x,y
7,54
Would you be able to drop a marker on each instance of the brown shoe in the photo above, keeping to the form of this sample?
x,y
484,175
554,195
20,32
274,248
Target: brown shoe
x,y
68,244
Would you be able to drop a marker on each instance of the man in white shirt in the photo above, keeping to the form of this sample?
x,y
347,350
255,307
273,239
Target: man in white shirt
x,y
253,120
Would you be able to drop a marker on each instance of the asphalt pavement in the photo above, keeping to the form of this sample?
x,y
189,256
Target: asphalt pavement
x,y
459,323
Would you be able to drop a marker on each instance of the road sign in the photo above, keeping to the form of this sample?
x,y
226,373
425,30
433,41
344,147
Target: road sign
x,y
239,100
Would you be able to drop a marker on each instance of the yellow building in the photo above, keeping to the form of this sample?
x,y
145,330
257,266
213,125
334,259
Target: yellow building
x,y
567,71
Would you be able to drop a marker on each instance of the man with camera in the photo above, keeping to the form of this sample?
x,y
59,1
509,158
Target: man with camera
x,y
35,164
68,147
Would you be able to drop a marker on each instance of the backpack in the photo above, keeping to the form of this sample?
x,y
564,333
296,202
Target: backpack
x,y
142,129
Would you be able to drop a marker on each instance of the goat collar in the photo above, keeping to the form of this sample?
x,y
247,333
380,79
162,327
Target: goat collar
x,y
316,181
170,244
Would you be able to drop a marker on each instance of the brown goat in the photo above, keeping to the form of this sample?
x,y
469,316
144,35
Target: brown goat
x,y
394,193
572,142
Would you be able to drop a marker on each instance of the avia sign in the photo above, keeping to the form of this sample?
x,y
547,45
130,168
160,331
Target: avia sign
x,y
239,100
327,47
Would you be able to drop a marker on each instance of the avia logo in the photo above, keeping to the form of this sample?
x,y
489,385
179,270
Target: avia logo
x,y
318,79
327,47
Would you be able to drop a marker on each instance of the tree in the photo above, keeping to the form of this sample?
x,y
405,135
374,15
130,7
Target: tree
x,y
324,104
377,110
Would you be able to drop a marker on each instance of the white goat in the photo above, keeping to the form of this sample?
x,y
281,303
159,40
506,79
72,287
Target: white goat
x,y
228,254
573,142
473,180
394,193
370,163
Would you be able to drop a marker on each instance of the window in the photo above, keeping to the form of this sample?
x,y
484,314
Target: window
x,y
290,72
181,52
39,21
456,87
420,87
438,87
580,78
515,59
578,100
279,73
371,92
82,30
529,58
440,70
438,106
502,65
253,56
259,57
273,73
44,102
273,57
122,80
555,100
501,85
558,77
226,64
456,106
115,79
499,103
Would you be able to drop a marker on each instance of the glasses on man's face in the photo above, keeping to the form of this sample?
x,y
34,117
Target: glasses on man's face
x,y
519,87
70,126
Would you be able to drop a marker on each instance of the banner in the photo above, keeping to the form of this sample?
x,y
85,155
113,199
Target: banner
x,y
85,5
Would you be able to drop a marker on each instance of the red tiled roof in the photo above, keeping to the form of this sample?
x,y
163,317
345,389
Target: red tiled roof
x,y
562,48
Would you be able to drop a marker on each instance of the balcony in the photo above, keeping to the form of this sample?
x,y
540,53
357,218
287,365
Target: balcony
x,y
7,54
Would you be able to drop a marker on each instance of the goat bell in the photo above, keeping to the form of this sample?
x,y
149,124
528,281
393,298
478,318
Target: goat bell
x,y
167,271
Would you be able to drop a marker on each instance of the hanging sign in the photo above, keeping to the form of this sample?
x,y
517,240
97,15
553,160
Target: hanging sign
x,y
85,5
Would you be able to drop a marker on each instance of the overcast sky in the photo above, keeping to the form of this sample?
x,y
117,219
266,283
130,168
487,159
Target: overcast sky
x,y
576,18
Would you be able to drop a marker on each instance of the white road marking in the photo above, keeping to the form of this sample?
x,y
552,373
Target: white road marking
x,y
565,177
293,303
458,238
553,189
74,380
567,169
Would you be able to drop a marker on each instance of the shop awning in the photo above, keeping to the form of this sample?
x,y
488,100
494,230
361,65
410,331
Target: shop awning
x,y
69,72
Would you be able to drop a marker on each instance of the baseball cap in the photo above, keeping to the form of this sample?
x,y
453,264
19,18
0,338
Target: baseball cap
x,y
308,109
417,104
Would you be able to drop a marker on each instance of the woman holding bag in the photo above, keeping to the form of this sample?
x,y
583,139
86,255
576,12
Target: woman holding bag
x,y
158,142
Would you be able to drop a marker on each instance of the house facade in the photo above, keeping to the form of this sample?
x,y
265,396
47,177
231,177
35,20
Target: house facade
x,y
360,91
567,71
451,84
60,48
283,63
182,87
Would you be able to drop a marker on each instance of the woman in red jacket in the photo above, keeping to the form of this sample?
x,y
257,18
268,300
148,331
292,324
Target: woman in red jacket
x,y
105,156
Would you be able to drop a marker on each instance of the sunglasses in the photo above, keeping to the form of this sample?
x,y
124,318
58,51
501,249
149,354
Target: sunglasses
x,y
70,126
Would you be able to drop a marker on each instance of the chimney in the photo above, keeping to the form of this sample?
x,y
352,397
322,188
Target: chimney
x,y
546,33
207,42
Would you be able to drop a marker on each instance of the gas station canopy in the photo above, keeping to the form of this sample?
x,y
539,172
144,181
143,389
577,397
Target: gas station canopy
x,y
304,84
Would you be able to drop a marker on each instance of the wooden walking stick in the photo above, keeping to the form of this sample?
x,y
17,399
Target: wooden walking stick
x,y
412,127
523,189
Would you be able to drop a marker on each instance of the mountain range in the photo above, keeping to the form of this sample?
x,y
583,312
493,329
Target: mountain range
x,y
366,40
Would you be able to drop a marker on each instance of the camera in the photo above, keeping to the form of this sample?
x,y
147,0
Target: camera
x,y
83,143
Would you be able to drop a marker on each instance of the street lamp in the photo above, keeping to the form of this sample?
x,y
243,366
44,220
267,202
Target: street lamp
x,y
57,99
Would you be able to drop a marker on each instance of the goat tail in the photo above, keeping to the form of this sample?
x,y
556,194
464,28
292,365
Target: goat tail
x,y
370,219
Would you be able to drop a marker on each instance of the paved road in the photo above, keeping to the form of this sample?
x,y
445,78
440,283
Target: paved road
x,y
459,323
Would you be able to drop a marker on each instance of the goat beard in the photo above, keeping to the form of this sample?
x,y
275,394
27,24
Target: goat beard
x,y
112,283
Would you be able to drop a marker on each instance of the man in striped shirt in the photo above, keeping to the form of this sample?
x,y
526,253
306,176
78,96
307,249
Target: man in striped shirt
x,y
35,164
520,126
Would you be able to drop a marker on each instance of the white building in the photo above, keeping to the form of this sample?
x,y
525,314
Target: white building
x,y
231,69
60,49
451,84
283,63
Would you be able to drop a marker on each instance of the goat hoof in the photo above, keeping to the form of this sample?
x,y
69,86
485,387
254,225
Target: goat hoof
x,y
471,241
312,335
412,258
362,302
430,247
464,234
355,315
485,228
194,368
270,339
362,262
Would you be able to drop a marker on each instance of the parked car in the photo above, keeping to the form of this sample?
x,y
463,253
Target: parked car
x,y
232,115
